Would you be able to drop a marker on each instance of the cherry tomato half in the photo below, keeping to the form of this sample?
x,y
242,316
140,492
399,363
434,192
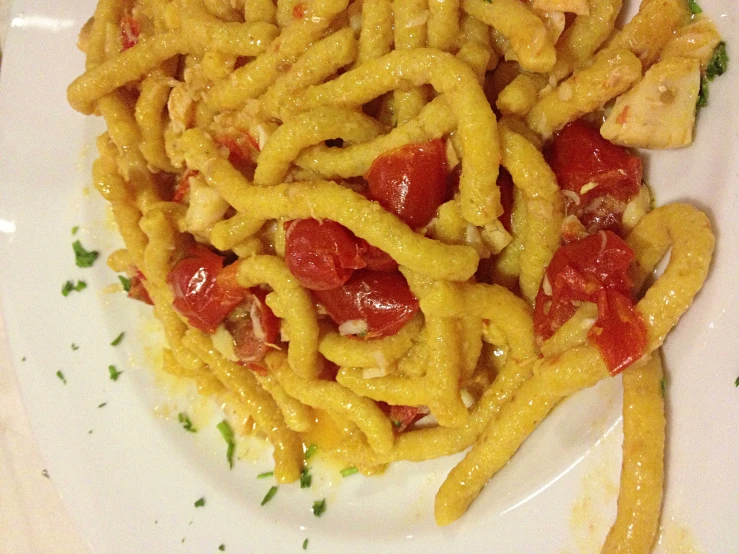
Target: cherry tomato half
x,y
381,299
198,297
321,254
410,181
602,175
253,326
594,269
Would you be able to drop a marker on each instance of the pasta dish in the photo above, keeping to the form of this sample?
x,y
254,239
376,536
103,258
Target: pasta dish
x,y
413,225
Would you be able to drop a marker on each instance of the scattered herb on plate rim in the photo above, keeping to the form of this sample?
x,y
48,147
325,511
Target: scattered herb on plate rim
x,y
265,474
269,496
102,405
118,339
61,376
114,373
75,229
319,507
736,383
695,9
200,502
228,435
305,478
69,286
222,547
305,544
186,423
346,472
75,347
82,256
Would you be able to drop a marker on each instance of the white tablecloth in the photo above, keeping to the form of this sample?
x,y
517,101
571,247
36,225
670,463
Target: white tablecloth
x,y
32,517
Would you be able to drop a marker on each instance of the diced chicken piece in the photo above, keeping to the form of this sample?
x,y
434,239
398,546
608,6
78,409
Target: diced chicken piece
x,y
580,7
659,111
697,40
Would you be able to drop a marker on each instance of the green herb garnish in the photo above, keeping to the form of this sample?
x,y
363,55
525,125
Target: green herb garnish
x,y
305,544
349,471
228,435
663,384
82,257
102,405
186,423
269,496
61,376
114,373
305,478
118,339
310,451
319,507
222,547
265,474
126,282
694,7
719,62
75,347
200,502
736,383
69,286
75,229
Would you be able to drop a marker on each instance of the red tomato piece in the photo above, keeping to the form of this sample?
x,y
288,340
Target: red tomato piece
x,y
183,186
403,417
381,299
137,290
253,326
410,181
620,333
129,32
321,254
593,269
600,176
299,11
198,296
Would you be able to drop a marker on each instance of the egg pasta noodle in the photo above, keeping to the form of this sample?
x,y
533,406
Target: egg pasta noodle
x,y
334,228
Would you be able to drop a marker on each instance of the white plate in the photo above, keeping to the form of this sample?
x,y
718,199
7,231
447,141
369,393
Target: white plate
x,y
130,477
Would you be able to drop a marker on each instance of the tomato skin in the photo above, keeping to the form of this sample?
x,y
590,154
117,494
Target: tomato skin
x,y
322,255
382,299
137,290
198,296
578,155
410,181
376,259
403,417
253,326
129,32
594,269
183,185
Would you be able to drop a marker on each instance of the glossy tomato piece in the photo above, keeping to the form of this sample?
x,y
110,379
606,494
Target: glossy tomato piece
x,y
380,299
376,259
198,296
620,333
410,181
321,254
594,269
129,32
403,417
599,176
253,326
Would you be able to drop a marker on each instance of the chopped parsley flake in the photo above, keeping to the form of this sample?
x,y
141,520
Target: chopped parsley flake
x,y
265,474
719,62
305,478
319,507
114,373
736,383
310,451
69,286
75,229
75,347
694,7
102,405
118,339
186,423
349,471
305,544
126,282
82,257
228,435
269,496
222,547
663,384
45,473
199,503
61,376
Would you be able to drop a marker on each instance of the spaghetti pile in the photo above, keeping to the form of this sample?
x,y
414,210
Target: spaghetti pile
x,y
415,222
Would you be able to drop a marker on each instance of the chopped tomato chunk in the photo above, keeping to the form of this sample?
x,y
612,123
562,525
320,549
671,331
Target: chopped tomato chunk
x,y
410,181
254,327
183,186
598,177
593,269
137,290
403,417
198,296
129,32
379,301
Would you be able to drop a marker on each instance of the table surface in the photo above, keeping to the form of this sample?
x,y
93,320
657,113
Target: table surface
x,y
32,516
